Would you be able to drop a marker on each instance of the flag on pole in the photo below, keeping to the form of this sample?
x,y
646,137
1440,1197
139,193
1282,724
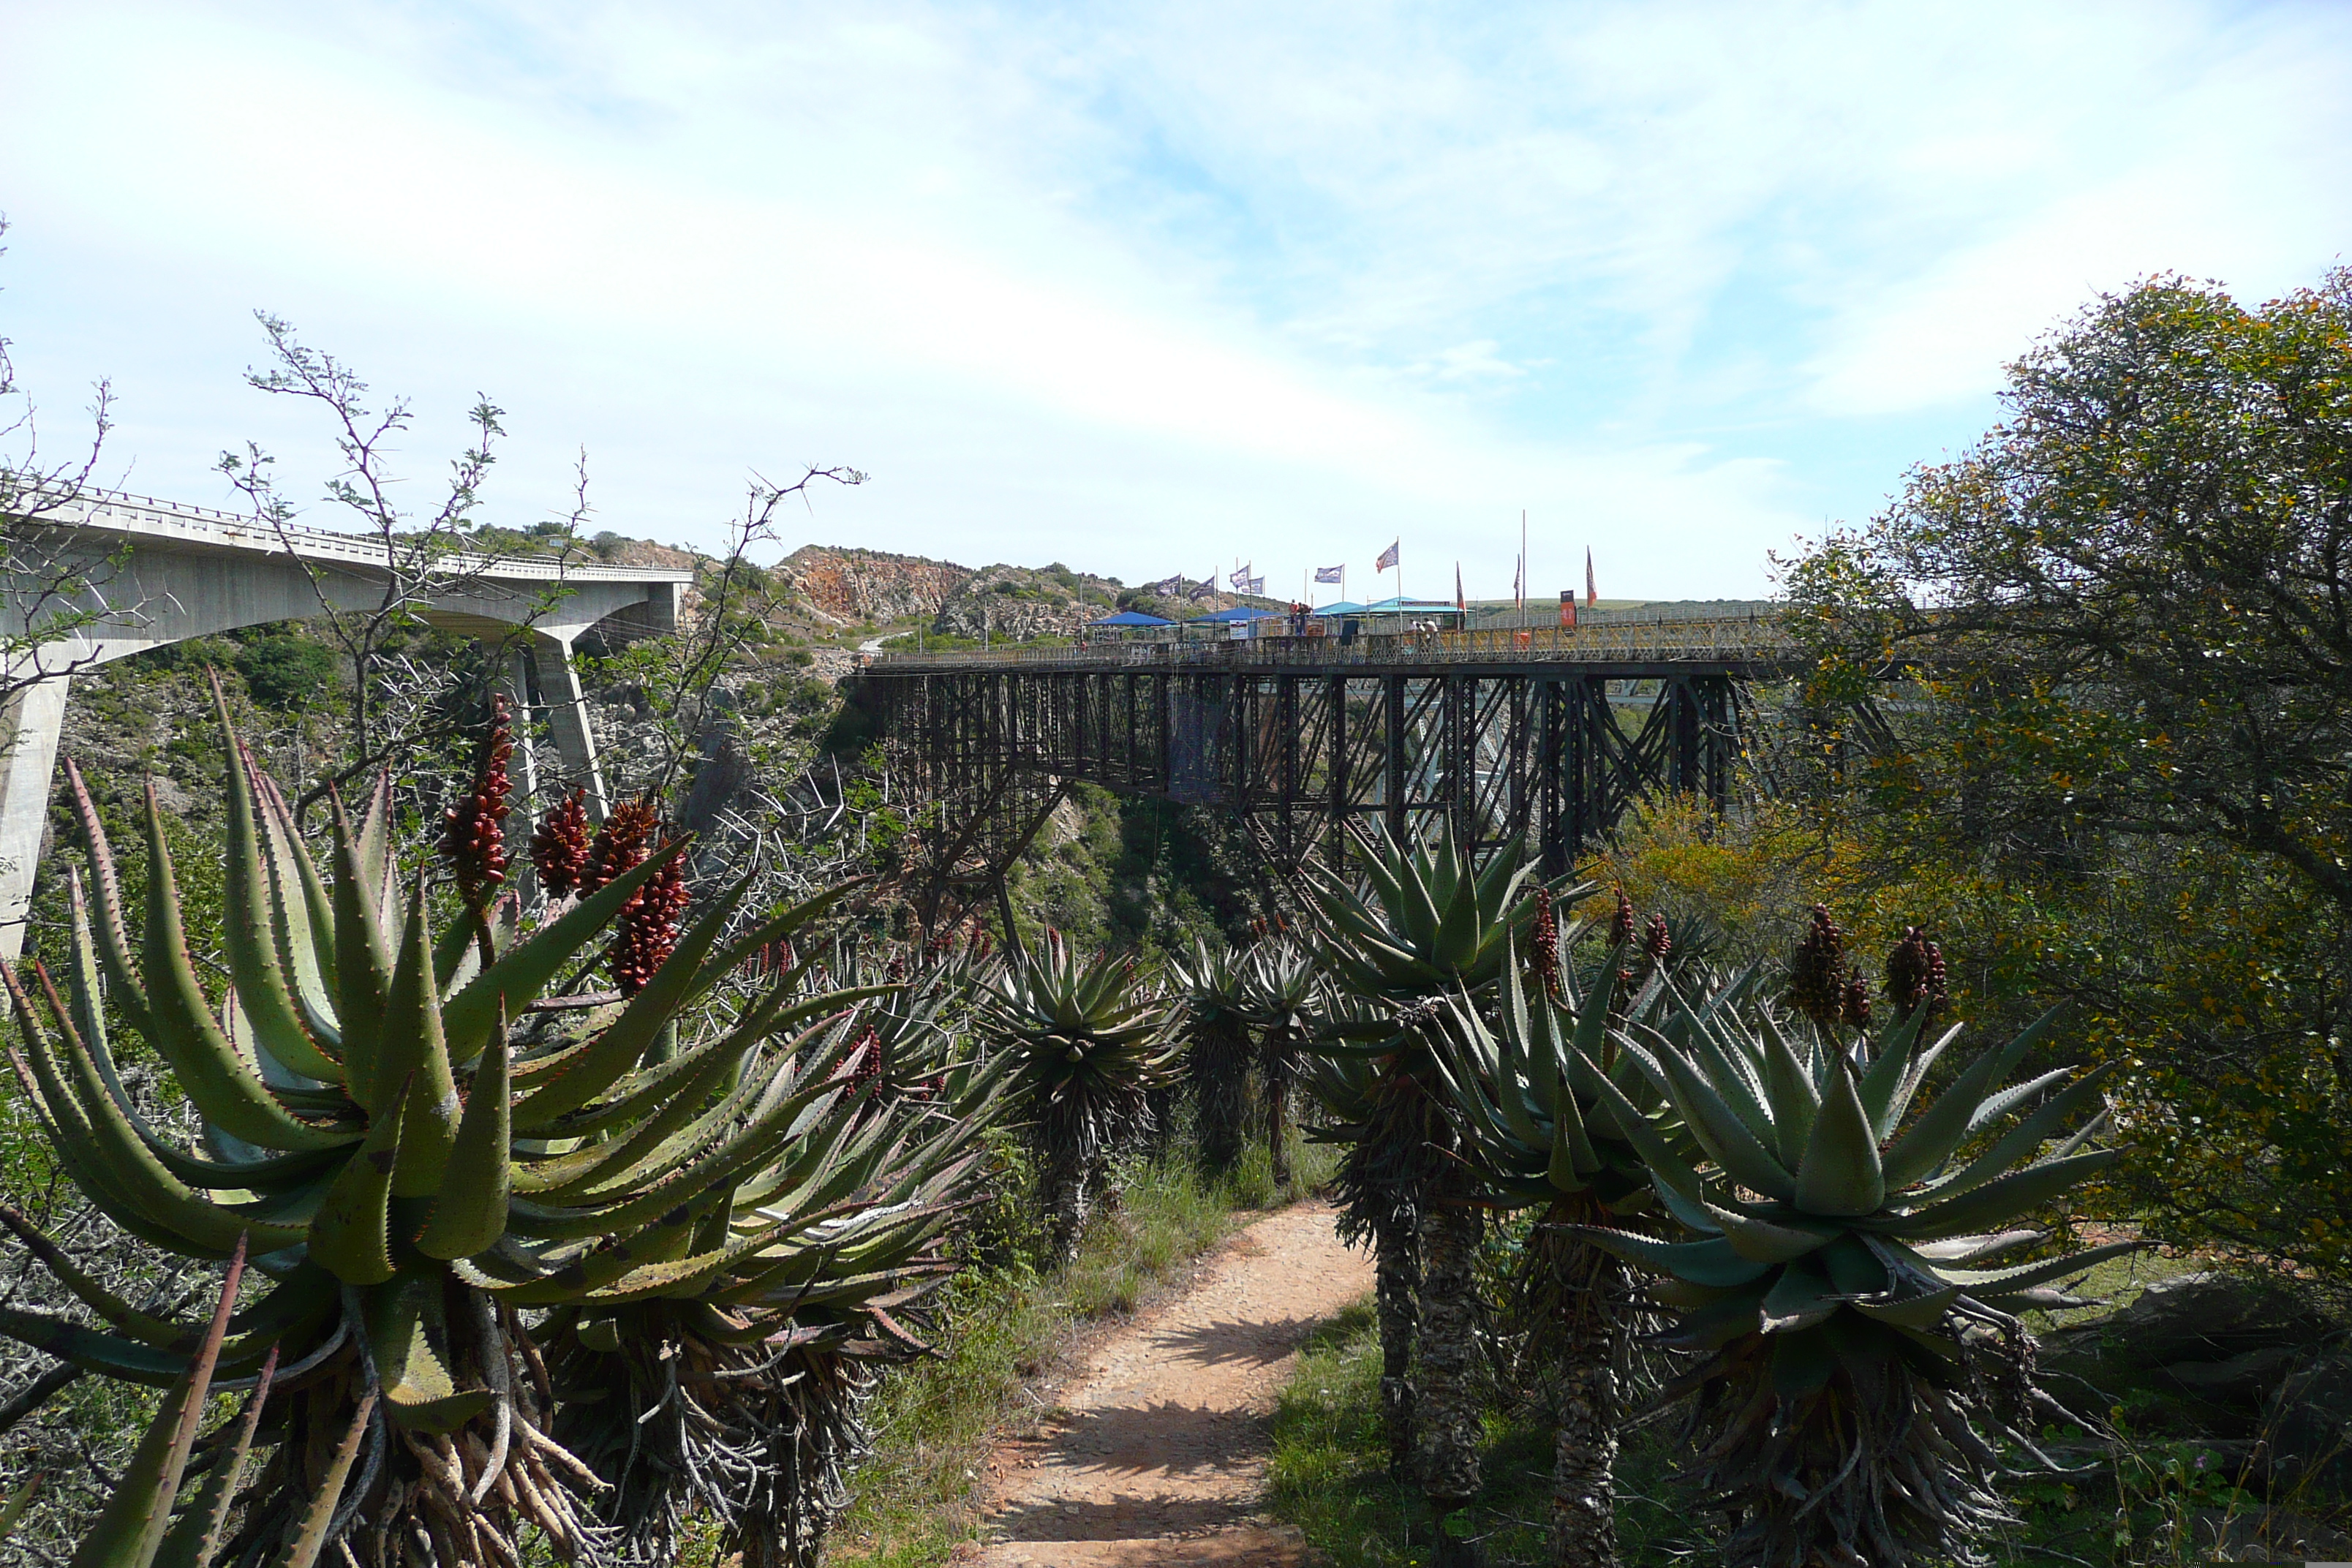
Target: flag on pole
x,y
1328,573
1519,584
1251,585
1388,558
1241,576
1460,602
1591,594
1166,587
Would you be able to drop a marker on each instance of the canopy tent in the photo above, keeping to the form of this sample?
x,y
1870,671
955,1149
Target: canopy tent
x,y
1413,607
1238,613
1129,618
1341,608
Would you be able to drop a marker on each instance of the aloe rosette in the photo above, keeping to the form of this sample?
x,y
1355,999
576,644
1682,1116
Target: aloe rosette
x,y
1088,1041
1532,1121
1429,922
744,1401
413,1170
1209,981
1834,1279
1282,1001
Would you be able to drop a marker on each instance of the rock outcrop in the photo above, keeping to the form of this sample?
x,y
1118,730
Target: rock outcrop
x,y
844,587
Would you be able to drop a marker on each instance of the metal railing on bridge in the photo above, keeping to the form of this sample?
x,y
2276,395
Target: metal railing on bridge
x,y
1758,636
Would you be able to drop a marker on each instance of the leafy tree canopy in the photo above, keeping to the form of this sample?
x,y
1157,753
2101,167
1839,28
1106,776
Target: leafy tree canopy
x,y
2137,586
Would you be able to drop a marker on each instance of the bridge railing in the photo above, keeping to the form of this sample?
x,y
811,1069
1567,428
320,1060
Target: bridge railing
x,y
1727,639
116,511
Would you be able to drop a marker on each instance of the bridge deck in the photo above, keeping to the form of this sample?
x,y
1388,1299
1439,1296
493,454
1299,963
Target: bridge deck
x,y
1744,646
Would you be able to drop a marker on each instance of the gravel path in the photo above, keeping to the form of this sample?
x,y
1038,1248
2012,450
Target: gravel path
x,y
1157,1453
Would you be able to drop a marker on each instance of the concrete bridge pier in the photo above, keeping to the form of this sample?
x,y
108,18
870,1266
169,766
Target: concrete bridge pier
x,y
29,731
546,667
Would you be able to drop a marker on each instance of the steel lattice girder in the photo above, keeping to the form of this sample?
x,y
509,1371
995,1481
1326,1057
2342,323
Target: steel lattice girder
x,y
1552,755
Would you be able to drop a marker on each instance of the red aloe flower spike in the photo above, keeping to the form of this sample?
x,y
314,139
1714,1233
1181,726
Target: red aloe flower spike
x,y
1817,972
1655,941
473,837
558,850
1621,925
1915,973
1855,1011
1546,943
649,924
622,843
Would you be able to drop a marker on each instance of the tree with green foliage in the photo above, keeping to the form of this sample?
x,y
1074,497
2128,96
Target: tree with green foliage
x,y
2121,771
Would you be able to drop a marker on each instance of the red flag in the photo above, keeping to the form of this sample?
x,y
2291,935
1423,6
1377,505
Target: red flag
x,y
1591,594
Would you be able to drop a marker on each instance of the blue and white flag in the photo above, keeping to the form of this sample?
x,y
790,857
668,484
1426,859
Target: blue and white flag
x,y
1239,578
1251,585
1388,558
1329,574
1167,587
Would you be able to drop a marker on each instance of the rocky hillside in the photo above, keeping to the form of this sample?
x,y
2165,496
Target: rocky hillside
x,y
834,586
1027,602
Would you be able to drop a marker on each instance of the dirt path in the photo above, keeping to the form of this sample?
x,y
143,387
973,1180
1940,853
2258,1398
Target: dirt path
x,y
1157,1453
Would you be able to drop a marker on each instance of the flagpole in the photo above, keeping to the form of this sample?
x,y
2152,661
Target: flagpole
x,y
1523,564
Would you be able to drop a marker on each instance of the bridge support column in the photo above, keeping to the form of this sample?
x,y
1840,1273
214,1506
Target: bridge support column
x,y
29,731
515,686
567,720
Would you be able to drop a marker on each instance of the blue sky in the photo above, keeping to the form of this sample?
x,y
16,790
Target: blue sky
x,y
1147,289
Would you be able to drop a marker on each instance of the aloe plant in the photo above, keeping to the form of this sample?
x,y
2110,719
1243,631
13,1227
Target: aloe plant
x,y
1532,1123
1281,1001
1089,1042
1218,1048
1430,922
743,1400
414,1170
1831,1275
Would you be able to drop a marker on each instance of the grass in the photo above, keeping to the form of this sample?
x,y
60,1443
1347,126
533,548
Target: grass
x,y
1005,1328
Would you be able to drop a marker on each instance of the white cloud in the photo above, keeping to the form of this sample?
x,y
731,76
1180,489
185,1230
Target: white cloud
x,y
1129,286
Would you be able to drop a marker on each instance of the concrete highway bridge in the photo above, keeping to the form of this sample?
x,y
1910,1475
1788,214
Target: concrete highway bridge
x,y
147,573
1539,735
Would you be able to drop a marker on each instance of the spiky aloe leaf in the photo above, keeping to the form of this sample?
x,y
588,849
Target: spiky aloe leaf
x,y
1795,1097
319,1518
132,1524
228,1091
1939,1128
1801,1297
245,928
412,1051
1881,1086
362,966
301,912
2028,1135
196,1539
471,1213
1714,1263
1768,1241
110,1154
113,937
350,1235
404,1320
1841,1175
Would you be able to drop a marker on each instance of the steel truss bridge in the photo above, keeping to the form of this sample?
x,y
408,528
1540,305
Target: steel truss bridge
x,y
1541,736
